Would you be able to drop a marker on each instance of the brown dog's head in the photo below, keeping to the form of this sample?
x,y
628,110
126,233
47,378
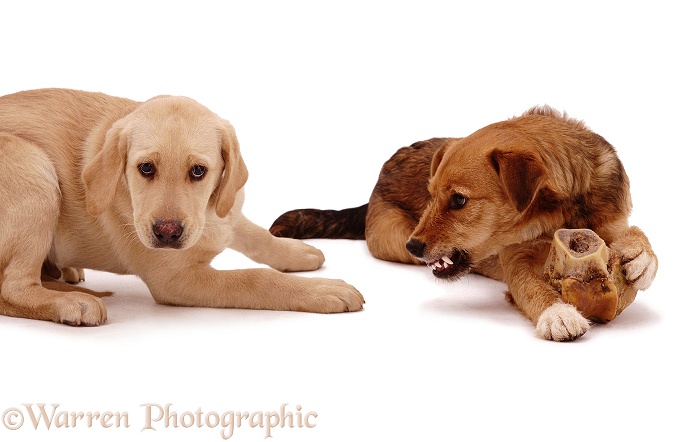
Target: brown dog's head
x,y
483,189
167,166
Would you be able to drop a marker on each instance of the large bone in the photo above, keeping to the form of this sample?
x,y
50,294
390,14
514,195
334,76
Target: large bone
x,y
588,274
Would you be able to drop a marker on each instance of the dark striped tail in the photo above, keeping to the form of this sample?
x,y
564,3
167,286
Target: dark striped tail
x,y
315,223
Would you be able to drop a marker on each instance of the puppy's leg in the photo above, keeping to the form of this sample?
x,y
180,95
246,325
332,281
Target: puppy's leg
x,y
23,295
29,215
283,254
60,286
554,319
50,271
261,289
71,275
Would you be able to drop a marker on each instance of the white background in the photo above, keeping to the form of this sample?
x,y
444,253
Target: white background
x,y
321,94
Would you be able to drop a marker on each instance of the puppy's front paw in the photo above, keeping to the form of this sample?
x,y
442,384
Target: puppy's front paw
x,y
296,256
75,308
323,295
561,322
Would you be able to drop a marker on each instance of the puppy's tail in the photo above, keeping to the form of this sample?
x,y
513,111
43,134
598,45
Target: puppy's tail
x,y
315,223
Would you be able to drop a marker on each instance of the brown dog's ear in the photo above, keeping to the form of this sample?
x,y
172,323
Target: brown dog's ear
x,y
521,175
235,172
105,170
436,160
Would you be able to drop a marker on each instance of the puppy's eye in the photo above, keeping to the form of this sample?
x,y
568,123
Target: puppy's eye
x,y
457,201
197,172
147,169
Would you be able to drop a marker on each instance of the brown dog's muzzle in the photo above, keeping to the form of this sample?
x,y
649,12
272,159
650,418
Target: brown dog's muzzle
x,y
416,248
168,233
451,265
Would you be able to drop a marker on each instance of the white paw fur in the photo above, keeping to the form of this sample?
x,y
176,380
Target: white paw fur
x,y
641,270
561,322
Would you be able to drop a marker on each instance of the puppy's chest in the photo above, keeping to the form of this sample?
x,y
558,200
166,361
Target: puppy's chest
x,y
78,244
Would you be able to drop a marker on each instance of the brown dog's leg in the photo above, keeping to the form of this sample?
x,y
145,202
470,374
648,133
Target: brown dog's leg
x,y
522,266
399,199
490,268
387,230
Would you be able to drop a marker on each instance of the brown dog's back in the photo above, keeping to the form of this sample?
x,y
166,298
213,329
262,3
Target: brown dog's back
x,y
396,204
596,186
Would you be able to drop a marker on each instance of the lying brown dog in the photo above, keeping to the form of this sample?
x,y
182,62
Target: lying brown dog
x,y
153,189
494,200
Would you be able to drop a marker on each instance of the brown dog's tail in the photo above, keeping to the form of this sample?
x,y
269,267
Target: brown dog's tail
x,y
315,223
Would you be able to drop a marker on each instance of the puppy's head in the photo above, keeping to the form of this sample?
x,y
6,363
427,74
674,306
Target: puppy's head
x,y
174,163
483,189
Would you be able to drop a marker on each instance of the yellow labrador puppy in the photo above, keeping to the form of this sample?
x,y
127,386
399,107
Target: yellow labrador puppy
x,y
153,189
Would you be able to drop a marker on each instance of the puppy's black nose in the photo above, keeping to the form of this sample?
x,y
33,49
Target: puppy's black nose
x,y
416,248
167,232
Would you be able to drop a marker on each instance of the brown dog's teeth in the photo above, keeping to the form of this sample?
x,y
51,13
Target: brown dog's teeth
x,y
442,264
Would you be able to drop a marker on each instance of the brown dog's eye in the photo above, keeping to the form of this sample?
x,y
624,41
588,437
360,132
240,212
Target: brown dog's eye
x,y
147,169
197,172
457,201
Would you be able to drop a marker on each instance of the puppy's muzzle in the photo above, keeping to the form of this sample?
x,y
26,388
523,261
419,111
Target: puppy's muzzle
x,y
167,233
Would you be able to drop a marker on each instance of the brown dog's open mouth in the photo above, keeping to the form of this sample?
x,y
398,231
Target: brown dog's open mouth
x,y
450,265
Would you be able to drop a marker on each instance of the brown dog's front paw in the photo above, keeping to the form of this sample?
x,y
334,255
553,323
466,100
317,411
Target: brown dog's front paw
x,y
329,296
561,322
75,309
640,267
637,258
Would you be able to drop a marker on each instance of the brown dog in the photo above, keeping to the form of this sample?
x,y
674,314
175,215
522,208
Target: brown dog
x,y
153,189
494,200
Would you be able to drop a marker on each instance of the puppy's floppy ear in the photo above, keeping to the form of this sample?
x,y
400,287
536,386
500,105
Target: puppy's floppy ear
x,y
235,172
521,175
105,170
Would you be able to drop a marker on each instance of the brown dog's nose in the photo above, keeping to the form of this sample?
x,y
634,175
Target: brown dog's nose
x,y
168,232
416,248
